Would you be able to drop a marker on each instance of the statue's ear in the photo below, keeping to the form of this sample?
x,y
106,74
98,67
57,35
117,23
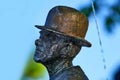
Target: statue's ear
x,y
67,51
72,50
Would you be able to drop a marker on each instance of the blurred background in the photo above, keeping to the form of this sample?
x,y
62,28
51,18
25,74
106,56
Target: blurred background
x,y
17,36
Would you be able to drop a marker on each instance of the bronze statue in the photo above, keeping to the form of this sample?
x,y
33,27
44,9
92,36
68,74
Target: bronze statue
x,y
61,39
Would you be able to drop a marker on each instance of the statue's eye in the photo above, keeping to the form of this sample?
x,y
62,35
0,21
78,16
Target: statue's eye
x,y
48,35
44,33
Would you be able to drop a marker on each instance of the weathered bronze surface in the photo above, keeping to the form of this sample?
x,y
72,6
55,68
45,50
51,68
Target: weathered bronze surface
x,y
60,41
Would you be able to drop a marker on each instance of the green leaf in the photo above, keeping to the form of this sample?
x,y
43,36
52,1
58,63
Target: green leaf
x,y
33,70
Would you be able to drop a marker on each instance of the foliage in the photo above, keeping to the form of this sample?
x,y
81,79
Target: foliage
x,y
33,70
113,13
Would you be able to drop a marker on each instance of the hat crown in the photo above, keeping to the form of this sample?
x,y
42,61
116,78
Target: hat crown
x,y
67,20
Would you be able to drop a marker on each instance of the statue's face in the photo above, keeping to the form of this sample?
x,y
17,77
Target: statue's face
x,y
51,46
47,46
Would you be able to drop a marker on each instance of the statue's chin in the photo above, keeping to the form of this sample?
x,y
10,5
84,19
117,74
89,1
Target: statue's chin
x,y
37,57
41,57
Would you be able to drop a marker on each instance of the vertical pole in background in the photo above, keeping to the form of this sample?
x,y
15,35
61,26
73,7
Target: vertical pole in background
x,y
100,42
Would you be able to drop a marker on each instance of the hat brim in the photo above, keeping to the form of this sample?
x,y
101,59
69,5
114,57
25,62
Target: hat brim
x,y
76,40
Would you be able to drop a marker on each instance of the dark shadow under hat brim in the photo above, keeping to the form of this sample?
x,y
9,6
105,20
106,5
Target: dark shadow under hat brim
x,y
76,40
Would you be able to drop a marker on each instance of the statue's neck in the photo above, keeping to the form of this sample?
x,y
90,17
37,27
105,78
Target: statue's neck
x,y
55,66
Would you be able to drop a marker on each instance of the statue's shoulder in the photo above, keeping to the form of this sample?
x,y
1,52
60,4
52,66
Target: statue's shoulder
x,y
72,73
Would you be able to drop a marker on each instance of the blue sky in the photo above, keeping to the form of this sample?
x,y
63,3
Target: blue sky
x,y
17,32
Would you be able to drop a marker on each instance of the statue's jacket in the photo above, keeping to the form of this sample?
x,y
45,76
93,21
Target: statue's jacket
x,y
71,73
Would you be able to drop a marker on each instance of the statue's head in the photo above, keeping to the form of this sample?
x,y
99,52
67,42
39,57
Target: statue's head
x,y
61,24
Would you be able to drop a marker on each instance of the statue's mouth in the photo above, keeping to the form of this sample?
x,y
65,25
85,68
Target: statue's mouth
x,y
39,56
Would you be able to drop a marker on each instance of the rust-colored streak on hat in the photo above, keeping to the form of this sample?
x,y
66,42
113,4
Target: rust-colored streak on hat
x,y
67,20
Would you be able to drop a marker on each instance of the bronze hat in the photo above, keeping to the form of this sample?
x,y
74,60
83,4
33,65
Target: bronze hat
x,y
68,22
